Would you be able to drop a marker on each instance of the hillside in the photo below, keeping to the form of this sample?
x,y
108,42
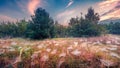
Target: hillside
x,y
107,21
96,52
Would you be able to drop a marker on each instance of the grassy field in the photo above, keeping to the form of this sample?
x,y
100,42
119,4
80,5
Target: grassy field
x,y
95,52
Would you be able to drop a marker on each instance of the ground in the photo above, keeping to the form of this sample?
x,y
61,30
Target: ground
x,y
94,52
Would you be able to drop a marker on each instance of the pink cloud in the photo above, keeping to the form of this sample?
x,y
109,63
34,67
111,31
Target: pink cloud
x,y
65,16
6,18
109,9
32,5
114,14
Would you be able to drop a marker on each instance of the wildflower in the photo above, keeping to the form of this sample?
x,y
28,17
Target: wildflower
x,y
6,47
32,63
62,55
115,55
1,42
75,44
112,49
103,49
114,46
98,42
70,48
84,45
2,51
50,43
106,62
39,46
108,42
13,43
81,40
56,44
116,42
117,38
48,50
34,56
76,52
26,43
45,58
54,51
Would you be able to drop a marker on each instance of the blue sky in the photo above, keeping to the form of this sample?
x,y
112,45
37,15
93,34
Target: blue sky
x,y
61,10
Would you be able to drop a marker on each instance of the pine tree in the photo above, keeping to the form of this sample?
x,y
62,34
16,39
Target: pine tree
x,y
92,16
40,26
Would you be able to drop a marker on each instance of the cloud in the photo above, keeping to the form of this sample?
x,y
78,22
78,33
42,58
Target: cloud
x,y
32,5
115,14
22,5
65,16
109,9
70,3
6,18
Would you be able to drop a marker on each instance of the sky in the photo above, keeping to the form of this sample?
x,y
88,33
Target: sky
x,y
60,10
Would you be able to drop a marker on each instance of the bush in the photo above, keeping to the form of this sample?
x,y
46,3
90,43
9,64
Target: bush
x,y
113,28
10,29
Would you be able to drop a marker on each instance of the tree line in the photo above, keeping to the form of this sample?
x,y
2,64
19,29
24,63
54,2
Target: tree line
x,y
42,26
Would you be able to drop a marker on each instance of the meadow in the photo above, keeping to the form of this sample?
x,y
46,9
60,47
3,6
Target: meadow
x,y
59,33
93,52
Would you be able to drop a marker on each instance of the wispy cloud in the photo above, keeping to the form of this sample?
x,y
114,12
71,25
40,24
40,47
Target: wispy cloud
x,y
22,5
110,9
70,3
6,18
65,16
115,14
32,5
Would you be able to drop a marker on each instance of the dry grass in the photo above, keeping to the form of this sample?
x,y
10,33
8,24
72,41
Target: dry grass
x,y
97,52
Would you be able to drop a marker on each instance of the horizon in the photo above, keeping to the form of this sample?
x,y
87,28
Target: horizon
x,y
62,10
